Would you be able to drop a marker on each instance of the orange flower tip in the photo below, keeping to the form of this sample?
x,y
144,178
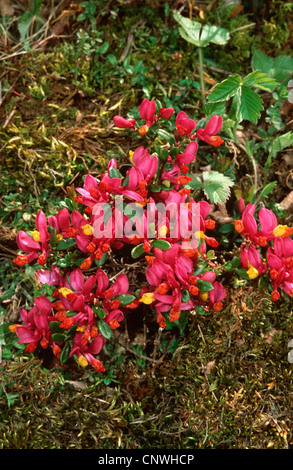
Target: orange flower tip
x,y
183,180
143,130
42,260
150,259
44,343
142,184
21,260
217,306
262,241
98,366
108,293
31,347
113,324
163,288
12,328
105,247
86,264
174,314
147,247
216,141
210,224
275,296
239,227
274,274
193,290
91,247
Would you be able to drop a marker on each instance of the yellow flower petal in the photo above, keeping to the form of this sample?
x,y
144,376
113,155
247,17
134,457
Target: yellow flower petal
x,y
64,291
280,230
82,361
36,236
147,298
252,272
88,229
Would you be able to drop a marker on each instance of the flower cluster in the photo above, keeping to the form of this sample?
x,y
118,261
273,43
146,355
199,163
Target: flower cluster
x,y
148,211
267,248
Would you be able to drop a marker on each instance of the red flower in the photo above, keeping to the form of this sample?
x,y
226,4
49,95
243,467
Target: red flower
x,y
184,125
208,133
122,123
166,113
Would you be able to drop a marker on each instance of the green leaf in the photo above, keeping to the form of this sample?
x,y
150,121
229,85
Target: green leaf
x,y
65,353
125,299
260,80
281,142
166,136
58,337
161,244
137,251
250,105
260,61
114,173
100,262
226,228
185,296
242,273
199,35
9,292
66,243
266,191
104,329
216,186
196,183
217,107
280,67
55,326
204,286
226,89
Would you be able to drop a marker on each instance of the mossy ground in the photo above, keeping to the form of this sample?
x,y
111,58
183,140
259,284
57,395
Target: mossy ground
x,y
228,384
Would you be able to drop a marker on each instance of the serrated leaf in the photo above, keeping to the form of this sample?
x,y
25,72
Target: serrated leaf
x,y
260,61
279,67
216,186
250,105
226,89
260,80
196,183
217,107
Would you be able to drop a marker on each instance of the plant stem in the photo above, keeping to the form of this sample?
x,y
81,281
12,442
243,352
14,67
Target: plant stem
x,y
201,74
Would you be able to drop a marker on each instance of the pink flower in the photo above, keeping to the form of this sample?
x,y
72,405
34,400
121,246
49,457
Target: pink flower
x,y
145,163
147,111
184,125
208,133
122,123
35,329
166,113
188,155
